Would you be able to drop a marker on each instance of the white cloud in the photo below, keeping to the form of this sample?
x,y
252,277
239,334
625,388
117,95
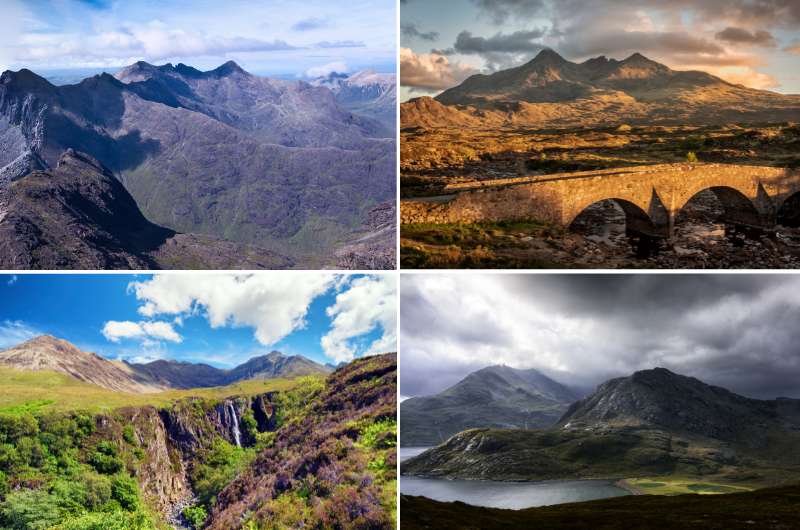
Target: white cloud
x,y
152,41
14,332
148,332
432,71
275,304
369,303
325,69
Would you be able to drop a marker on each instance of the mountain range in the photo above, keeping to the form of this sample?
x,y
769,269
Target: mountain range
x,y
223,153
495,396
653,422
550,91
53,354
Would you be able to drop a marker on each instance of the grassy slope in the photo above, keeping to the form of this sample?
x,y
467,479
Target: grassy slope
x,y
771,508
27,391
499,454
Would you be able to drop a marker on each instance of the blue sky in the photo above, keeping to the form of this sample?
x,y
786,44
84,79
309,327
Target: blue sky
x,y
752,43
269,37
218,319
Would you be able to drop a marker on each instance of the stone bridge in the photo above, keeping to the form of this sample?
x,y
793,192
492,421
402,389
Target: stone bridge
x,y
651,196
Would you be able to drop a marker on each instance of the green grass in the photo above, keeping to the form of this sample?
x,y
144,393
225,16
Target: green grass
x,y
681,485
774,508
29,392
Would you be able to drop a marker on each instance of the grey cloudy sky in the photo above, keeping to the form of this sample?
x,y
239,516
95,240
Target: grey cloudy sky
x,y
739,331
752,42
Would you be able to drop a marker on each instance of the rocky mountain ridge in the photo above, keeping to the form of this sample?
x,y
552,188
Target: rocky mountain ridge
x,y
495,396
53,354
653,422
552,91
224,153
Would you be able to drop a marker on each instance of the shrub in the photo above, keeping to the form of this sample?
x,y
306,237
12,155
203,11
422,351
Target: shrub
x,y
125,491
196,516
691,157
382,433
104,463
128,435
109,521
29,510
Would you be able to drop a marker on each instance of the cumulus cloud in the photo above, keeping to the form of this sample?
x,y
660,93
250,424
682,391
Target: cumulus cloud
x,y
13,332
145,331
432,71
743,36
411,31
274,305
736,331
328,68
370,303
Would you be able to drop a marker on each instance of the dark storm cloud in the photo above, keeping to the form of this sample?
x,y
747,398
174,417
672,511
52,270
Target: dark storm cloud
x,y
742,36
736,331
412,31
517,42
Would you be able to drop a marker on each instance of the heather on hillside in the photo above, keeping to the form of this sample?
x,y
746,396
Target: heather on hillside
x,y
320,454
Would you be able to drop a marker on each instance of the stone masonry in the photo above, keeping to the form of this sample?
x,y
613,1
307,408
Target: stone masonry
x,y
651,196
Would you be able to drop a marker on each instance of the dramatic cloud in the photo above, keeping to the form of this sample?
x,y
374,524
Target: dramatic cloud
x,y
411,31
500,11
736,331
743,36
145,331
13,332
432,71
370,303
738,40
500,50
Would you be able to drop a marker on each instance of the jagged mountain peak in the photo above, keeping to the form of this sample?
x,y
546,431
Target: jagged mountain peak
x,y
229,68
27,81
664,399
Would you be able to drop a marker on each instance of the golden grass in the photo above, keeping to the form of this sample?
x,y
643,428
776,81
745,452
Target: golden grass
x,y
29,391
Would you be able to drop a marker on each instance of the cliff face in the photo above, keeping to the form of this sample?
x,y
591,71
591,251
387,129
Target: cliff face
x,y
169,439
333,466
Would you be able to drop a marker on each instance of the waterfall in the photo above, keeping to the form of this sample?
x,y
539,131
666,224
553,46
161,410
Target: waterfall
x,y
237,436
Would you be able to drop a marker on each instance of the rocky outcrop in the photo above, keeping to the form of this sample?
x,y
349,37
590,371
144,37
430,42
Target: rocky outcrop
x,y
170,438
316,456
50,353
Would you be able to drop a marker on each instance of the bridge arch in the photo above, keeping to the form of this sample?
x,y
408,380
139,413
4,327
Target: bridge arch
x,y
637,221
745,205
788,213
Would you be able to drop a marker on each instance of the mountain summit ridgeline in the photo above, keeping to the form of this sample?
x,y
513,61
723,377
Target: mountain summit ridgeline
x,y
552,91
286,165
